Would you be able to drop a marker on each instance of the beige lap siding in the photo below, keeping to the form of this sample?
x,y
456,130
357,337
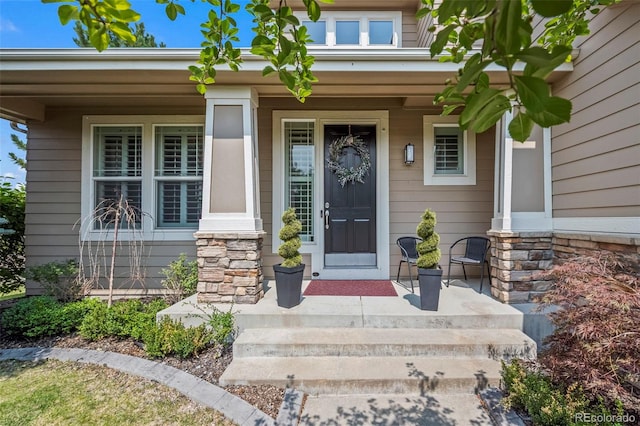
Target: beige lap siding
x,y
595,165
462,210
54,151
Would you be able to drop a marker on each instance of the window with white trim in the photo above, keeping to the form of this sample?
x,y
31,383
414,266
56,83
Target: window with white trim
x,y
450,152
153,164
299,151
355,29
178,175
117,174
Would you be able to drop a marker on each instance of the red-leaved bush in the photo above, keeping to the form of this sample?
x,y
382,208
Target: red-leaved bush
x,y
597,338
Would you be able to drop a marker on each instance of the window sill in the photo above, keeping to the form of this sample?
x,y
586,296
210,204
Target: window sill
x,y
157,235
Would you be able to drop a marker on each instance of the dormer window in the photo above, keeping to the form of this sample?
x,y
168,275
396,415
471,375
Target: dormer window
x,y
355,29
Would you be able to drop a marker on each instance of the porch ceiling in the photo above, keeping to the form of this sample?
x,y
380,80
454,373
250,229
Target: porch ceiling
x,y
33,80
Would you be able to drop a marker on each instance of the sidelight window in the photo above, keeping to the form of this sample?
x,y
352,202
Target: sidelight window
x,y
300,173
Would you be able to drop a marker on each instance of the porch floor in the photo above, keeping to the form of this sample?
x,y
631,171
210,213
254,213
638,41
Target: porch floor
x,y
461,306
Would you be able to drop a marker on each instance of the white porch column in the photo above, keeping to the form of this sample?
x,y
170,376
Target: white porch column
x,y
503,178
230,234
230,193
522,189
521,229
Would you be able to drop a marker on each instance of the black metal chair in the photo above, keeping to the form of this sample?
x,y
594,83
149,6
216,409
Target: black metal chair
x,y
475,253
409,249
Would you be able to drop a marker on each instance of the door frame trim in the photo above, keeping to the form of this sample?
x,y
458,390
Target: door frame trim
x,y
378,118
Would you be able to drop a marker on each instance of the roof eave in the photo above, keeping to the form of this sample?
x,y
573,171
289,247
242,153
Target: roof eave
x,y
405,59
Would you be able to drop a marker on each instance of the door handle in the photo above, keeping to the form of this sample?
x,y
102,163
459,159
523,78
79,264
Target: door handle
x,y
326,219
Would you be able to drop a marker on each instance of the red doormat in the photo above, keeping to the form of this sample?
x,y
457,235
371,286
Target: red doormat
x,y
350,288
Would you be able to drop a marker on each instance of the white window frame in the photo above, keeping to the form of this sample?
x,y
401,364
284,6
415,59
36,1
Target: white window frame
x,y
364,18
316,152
468,177
279,178
148,230
157,179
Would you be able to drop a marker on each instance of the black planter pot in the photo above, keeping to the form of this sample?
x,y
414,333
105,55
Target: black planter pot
x,y
430,283
288,285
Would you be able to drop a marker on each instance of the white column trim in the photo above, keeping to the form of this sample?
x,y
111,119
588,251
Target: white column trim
x,y
530,221
250,219
548,182
503,176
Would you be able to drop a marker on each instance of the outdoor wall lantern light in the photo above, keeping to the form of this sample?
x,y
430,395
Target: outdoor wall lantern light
x,y
408,154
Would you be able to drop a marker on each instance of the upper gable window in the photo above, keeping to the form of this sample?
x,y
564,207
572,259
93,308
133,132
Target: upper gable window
x,y
317,32
355,29
381,33
347,32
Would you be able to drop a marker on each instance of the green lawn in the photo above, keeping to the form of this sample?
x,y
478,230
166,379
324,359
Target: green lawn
x,y
67,393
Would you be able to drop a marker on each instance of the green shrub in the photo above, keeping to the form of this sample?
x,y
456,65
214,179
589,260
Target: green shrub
x,y
12,205
291,242
428,249
41,316
181,278
222,325
73,313
127,318
59,280
171,337
93,326
545,402
156,343
186,342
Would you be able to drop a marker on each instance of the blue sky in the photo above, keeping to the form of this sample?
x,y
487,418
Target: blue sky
x,y
19,20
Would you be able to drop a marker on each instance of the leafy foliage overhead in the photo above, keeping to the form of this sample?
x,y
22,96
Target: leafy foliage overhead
x,y
503,30
502,27
142,38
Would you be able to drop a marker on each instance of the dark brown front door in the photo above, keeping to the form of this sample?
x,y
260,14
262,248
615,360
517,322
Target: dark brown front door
x,y
350,209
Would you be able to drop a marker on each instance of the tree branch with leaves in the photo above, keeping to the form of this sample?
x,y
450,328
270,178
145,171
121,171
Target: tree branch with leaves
x,y
502,27
142,38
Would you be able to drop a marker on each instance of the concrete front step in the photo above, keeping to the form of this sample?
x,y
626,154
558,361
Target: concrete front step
x,y
295,319
351,342
366,375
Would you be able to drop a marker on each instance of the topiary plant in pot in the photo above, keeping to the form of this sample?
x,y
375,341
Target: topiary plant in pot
x,y
429,272
289,273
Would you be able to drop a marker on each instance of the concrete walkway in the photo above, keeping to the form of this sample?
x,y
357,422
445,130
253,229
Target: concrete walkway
x,y
396,410
325,410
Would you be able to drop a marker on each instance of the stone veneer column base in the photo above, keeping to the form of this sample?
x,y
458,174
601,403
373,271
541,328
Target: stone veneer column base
x,y
517,258
229,267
